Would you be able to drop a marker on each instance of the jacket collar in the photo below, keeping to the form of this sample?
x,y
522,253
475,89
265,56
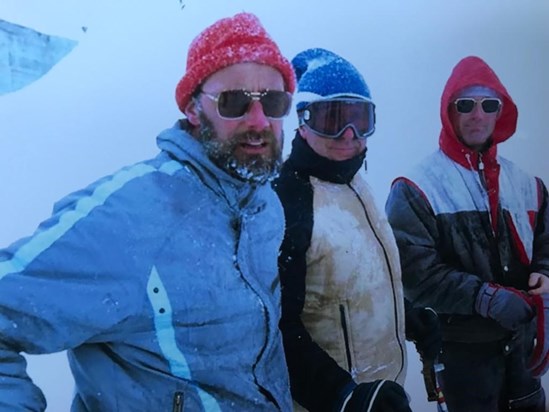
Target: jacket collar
x,y
180,145
307,161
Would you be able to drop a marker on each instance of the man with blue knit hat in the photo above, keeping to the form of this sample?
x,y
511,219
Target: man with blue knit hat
x,y
342,304
473,234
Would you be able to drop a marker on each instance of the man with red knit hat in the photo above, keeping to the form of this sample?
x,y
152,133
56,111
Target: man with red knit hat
x,y
160,280
473,234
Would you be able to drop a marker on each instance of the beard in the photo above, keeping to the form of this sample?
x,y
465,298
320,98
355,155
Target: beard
x,y
226,153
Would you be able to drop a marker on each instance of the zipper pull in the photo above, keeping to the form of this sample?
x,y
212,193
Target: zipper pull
x,y
178,402
480,162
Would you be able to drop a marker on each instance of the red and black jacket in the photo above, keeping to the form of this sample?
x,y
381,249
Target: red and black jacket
x,y
462,218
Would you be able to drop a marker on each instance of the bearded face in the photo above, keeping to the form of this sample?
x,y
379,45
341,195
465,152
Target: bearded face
x,y
250,156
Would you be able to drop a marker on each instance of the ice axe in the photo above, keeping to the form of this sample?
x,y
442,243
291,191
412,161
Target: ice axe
x,y
430,371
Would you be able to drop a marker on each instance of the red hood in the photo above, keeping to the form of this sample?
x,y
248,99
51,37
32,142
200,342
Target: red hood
x,y
473,71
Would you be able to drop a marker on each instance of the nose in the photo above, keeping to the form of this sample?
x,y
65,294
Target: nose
x,y
348,133
478,111
255,117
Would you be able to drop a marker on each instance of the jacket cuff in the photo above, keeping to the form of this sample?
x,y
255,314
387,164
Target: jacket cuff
x,y
344,395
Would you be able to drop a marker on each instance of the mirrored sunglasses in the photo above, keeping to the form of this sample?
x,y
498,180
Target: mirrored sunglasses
x,y
330,118
234,104
466,105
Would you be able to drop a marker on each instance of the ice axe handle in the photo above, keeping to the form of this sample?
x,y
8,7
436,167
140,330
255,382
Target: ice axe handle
x,y
429,378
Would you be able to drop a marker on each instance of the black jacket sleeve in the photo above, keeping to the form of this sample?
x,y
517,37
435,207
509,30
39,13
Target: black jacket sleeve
x,y
317,382
429,277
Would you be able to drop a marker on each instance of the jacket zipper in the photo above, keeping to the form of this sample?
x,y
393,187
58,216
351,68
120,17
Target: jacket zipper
x,y
238,225
481,183
391,278
493,230
346,337
178,402
483,187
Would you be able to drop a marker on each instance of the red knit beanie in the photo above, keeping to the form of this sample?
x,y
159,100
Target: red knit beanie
x,y
228,41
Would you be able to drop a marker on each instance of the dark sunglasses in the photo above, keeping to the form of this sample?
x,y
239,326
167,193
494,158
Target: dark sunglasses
x,y
234,104
330,118
466,105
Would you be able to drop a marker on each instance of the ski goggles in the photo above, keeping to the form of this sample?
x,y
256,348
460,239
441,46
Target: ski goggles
x,y
234,104
489,105
330,118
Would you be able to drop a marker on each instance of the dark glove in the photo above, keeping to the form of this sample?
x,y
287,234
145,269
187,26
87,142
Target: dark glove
x,y
507,306
378,396
423,328
539,362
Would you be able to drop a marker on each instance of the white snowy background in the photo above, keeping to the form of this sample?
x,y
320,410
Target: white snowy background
x,y
102,106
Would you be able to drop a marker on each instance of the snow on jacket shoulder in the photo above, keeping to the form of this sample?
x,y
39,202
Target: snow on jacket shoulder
x,y
161,280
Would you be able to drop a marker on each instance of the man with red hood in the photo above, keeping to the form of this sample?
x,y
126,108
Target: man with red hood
x,y
473,234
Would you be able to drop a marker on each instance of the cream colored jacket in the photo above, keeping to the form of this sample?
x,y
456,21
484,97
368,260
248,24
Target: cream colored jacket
x,y
341,281
354,305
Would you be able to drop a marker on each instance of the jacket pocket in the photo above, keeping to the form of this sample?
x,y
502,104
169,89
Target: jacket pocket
x,y
178,402
533,401
345,329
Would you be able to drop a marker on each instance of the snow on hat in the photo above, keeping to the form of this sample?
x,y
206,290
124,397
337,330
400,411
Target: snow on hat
x,y
322,74
477,90
229,41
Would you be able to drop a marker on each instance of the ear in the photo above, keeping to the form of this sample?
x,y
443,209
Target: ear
x,y
192,112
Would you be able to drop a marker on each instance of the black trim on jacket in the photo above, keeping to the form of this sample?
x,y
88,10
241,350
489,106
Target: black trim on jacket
x,y
316,380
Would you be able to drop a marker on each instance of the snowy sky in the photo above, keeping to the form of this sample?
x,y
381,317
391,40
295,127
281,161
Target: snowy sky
x,y
101,106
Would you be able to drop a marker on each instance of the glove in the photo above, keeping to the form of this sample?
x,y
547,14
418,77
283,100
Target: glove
x,y
423,328
507,306
378,396
539,362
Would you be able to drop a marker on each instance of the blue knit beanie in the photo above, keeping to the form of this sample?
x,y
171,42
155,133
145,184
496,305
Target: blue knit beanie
x,y
322,74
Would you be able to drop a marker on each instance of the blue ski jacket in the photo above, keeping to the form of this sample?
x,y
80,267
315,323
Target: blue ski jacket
x,y
161,282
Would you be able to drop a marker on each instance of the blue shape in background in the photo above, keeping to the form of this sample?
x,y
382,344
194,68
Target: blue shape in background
x,y
26,55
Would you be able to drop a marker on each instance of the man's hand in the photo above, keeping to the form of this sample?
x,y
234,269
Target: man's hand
x,y
538,283
509,307
539,362
423,328
378,396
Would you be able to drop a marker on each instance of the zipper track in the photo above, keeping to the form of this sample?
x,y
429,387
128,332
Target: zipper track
x,y
391,277
345,336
